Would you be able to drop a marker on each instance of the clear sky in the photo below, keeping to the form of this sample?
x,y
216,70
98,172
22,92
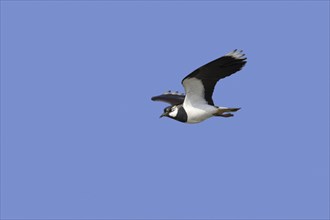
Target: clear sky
x,y
80,137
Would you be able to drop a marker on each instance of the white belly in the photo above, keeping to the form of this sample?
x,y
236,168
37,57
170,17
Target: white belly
x,y
200,113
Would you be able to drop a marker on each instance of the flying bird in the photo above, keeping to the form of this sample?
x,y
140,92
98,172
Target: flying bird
x,y
197,104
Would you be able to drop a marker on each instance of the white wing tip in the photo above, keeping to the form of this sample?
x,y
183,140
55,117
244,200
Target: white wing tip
x,y
237,54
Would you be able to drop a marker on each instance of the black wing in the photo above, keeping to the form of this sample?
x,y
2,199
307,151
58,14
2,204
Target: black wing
x,y
215,70
174,98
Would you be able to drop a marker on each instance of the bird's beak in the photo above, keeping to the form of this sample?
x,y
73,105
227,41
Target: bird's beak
x,y
162,115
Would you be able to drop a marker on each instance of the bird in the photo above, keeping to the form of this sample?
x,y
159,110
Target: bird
x,y
196,104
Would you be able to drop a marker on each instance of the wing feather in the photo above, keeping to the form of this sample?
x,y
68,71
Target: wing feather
x,y
209,74
171,98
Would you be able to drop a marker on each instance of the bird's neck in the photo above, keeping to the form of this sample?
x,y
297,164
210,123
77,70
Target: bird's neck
x,y
182,115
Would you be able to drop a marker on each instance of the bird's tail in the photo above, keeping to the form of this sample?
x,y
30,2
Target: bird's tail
x,y
225,112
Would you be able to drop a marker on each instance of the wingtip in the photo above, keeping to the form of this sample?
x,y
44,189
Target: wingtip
x,y
237,54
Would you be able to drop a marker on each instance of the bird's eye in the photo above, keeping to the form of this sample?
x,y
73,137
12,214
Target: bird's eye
x,y
173,109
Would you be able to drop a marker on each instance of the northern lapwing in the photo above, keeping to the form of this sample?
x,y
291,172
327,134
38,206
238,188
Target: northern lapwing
x,y
196,104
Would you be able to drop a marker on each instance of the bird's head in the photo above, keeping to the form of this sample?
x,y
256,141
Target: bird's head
x,y
170,111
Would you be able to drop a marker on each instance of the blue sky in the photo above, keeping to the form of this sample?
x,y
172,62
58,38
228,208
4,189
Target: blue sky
x,y
80,137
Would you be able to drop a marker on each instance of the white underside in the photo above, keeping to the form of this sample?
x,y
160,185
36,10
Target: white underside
x,y
200,113
195,104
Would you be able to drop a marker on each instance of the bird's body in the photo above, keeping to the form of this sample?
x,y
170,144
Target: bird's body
x,y
200,113
197,105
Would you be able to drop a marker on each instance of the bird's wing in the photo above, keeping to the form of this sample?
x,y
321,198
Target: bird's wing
x,y
199,84
174,98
